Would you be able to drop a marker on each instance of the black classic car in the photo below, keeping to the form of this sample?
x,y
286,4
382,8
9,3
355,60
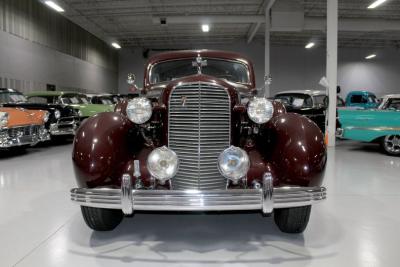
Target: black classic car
x,y
62,121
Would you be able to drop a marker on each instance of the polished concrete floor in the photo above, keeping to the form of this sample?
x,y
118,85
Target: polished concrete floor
x,y
359,225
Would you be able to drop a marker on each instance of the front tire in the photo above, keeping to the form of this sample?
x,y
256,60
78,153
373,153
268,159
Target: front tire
x,y
391,145
101,219
292,220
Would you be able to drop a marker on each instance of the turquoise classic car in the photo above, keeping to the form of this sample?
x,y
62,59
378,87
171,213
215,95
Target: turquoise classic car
x,y
380,125
361,99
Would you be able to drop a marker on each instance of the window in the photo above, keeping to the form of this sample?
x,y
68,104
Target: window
x,y
295,100
11,97
358,99
43,99
320,100
232,71
393,104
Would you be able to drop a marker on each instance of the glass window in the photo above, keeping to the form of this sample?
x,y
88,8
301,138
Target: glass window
x,y
11,97
223,69
295,100
357,99
393,104
42,99
320,100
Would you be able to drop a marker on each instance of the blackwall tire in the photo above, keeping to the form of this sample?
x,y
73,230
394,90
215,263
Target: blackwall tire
x,y
292,220
391,145
101,219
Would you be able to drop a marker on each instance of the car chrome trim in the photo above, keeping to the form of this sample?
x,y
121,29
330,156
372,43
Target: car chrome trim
x,y
373,128
265,200
267,194
23,135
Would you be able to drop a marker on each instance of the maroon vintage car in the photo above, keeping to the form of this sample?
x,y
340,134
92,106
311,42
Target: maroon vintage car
x,y
198,140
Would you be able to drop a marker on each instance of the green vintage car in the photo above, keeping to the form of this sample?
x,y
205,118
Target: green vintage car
x,y
76,100
381,125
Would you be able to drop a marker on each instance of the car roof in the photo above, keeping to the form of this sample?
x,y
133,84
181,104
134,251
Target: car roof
x,y
9,90
52,93
361,92
306,92
391,96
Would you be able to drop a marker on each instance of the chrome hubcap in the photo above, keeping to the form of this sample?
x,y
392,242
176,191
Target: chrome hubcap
x,y
392,143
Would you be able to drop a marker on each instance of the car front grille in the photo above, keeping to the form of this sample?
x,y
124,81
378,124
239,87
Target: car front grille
x,y
199,130
20,131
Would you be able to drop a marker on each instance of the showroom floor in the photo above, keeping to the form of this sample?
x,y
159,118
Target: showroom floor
x,y
357,226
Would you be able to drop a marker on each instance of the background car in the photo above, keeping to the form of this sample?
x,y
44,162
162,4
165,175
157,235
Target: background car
x,y
75,100
361,99
20,127
63,120
375,125
192,145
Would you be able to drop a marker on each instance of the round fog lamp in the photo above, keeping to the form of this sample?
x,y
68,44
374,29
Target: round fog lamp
x,y
260,110
162,163
234,163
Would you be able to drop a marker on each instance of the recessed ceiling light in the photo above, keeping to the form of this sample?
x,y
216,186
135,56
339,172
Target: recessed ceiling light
x,y
370,56
376,4
116,45
205,28
54,6
310,45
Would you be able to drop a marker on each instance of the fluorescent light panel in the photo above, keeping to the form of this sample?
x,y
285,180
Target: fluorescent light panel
x,y
370,56
310,45
116,45
54,6
376,4
205,28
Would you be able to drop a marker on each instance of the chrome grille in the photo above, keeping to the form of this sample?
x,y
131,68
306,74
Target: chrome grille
x,y
24,131
199,130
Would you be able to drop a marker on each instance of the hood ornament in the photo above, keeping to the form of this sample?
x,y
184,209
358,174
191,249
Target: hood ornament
x,y
199,63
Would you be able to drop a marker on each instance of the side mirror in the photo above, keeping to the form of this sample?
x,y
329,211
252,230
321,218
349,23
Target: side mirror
x,y
131,81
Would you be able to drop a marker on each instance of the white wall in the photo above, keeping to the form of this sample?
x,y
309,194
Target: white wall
x,y
28,66
299,68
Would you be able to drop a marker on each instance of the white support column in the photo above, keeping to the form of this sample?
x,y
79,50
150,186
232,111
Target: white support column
x,y
267,49
331,66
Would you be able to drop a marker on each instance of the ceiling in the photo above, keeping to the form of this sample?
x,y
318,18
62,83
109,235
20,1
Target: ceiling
x,y
130,22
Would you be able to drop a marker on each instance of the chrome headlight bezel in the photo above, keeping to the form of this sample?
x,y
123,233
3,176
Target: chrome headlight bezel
x,y
162,163
260,110
3,119
238,157
57,114
139,110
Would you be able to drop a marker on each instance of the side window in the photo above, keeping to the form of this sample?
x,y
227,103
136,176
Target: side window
x,y
308,103
358,99
39,99
394,104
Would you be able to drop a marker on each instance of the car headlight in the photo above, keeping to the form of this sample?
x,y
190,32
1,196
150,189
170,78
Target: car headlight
x,y
234,163
139,110
46,117
162,163
80,113
57,114
3,119
260,110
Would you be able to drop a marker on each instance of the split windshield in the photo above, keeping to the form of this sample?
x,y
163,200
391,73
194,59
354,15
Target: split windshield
x,y
295,100
11,97
232,71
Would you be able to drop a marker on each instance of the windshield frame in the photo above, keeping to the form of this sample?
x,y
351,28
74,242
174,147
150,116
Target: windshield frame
x,y
244,63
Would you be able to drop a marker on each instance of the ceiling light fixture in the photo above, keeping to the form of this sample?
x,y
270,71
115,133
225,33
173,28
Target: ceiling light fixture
x,y
376,4
370,56
116,45
54,6
310,45
205,28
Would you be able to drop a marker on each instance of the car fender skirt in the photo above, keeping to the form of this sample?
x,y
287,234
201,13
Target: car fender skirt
x,y
299,151
103,145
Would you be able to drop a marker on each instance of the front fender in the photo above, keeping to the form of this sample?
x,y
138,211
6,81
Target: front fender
x,y
103,147
298,151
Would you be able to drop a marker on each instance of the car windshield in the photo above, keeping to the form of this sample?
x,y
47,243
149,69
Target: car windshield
x,y
373,99
105,100
232,71
295,100
11,97
74,99
393,104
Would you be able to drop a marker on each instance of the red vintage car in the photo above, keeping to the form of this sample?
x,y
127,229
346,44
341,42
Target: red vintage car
x,y
198,140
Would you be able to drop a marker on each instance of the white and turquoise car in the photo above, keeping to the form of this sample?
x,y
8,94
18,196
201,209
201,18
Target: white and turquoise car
x,y
381,125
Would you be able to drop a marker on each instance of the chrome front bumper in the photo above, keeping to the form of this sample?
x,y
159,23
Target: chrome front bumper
x,y
63,128
265,199
21,136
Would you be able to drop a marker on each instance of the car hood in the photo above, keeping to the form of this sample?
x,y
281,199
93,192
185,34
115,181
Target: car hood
x,y
88,110
20,117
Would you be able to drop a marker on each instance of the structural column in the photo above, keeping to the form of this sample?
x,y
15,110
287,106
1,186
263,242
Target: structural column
x,y
331,66
267,50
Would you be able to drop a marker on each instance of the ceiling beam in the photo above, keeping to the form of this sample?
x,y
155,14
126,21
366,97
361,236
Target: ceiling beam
x,y
254,28
209,19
